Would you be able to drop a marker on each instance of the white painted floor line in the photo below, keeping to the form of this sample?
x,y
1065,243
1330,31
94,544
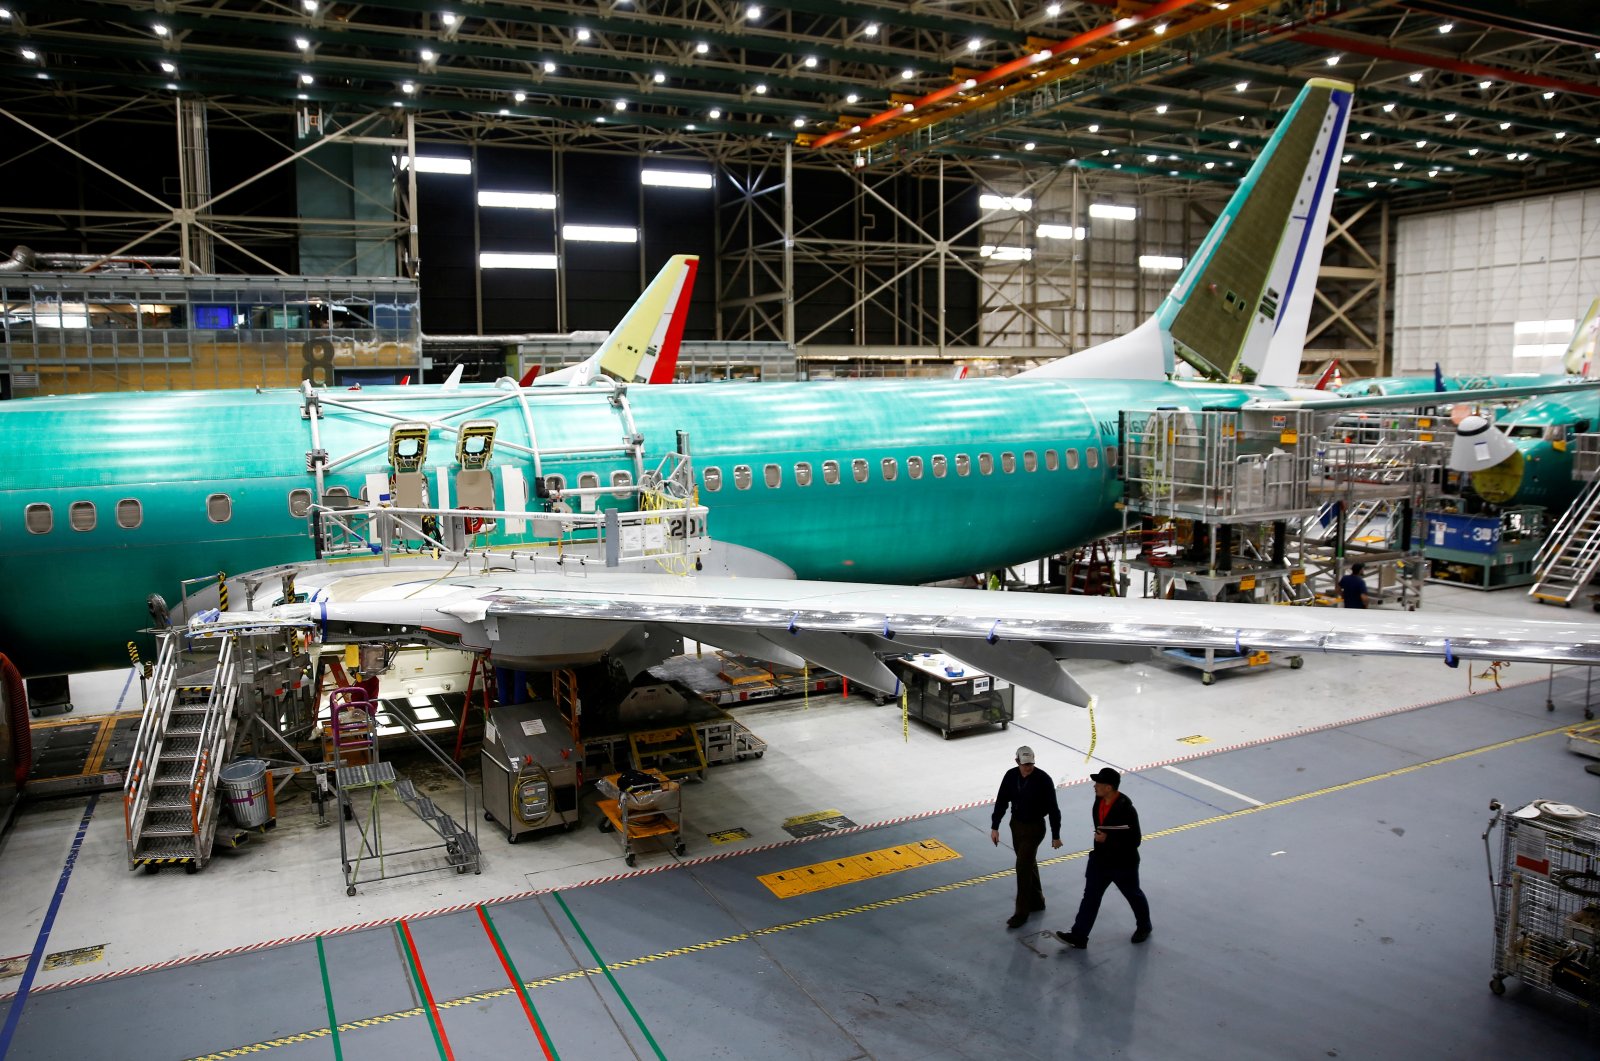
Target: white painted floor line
x,y
1213,784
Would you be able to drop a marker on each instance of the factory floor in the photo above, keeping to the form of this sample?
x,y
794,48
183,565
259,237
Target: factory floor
x,y
1313,859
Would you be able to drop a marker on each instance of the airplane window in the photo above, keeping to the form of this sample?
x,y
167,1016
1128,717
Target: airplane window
x,y
1051,461
555,483
408,447
1091,456
830,472
858,468
1525,431
219,508
130,513
891,469
1072,460
1008,462
802,474
713,479
742,477
940,466
1030,461
299,505
914,467
773,475
963,464
620,481
40,519
1111,456
337,497
588,480
81,516
474,444
986,463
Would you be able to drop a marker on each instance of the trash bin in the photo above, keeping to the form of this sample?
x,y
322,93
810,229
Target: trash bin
x,y
244,787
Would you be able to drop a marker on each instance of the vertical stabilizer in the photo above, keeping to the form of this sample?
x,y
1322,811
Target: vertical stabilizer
x,y
643,347
1240,307
1579,360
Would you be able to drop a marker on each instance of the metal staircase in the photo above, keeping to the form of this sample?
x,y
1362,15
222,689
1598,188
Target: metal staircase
x,y
169,802
1571,554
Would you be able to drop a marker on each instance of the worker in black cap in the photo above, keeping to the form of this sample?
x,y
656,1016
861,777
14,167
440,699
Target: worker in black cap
x,y
1114,860
1031,795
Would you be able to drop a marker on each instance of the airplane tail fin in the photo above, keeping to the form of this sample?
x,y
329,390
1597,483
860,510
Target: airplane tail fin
x,y
1579,360
643,347
1241,306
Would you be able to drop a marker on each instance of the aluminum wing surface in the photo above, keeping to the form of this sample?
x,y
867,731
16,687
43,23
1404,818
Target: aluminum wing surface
x,y
552,620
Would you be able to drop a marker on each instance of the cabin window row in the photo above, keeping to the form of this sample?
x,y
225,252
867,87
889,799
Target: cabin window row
x,y
938,466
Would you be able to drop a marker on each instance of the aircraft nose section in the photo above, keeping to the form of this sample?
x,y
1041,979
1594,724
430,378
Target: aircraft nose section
x,y
1499,484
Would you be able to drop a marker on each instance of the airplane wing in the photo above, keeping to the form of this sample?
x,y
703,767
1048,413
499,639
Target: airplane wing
x,y
556,619
1318,402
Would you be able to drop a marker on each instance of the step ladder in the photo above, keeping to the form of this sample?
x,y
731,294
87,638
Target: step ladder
x,y
1091,572
458,842
675,752
1571,554
170,802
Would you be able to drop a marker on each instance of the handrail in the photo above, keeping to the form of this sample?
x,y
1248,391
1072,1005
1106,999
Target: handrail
x,y
213,731
469,803
146,750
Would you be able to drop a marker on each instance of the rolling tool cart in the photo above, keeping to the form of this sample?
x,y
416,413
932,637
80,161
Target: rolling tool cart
x,y
1547,902
642,810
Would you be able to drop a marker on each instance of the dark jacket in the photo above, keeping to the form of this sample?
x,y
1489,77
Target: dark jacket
x,y
1121,845
1032,800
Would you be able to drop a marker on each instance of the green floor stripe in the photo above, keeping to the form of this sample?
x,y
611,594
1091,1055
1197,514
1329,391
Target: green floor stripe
x,y
422,992
516,978
327,995
607,970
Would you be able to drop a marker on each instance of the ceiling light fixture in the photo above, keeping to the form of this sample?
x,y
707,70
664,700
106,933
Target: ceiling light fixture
x,y
1029,146
1388,108
1160,29
1241,86
659,78
852,98
168,68
159,30
1332,60
620,105
1055,9
753,12
1415,76
761,90
1161,108
810,60
583,34
549,67
1422,143
408,88
306,79
869,30
701,48
799,123
714,114
1450,117
907,74
302,44
1447,27
1094,128
1486,85
448,19
974,44
1549,95
520,97
428,56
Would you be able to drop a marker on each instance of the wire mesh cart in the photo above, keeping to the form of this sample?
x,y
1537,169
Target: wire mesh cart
x,y
651,812
1547,902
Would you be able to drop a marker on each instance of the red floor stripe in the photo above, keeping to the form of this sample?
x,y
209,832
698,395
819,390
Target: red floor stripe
x,y
511,974
427,992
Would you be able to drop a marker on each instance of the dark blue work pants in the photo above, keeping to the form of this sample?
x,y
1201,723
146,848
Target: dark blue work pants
x,y
1096,879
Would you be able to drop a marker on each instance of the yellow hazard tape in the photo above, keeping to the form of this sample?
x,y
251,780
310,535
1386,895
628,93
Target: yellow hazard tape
x,y
803,880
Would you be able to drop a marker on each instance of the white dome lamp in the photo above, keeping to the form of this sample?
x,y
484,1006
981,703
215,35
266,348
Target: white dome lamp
x,y
1478,445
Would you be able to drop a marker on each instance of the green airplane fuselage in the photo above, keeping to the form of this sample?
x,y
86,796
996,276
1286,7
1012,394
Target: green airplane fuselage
x,y
143,491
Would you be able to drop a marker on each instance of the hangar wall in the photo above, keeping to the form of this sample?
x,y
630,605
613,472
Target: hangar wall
x,y
1495,288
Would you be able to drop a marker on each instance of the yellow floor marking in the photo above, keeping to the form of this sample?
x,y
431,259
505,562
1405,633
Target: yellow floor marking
x,y
806,819
803,880
1194,739
728,836
884,904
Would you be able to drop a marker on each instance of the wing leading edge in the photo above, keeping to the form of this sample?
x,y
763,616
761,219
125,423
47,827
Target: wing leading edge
x,y
538,620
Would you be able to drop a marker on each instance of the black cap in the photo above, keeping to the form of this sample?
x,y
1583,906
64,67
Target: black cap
x,y
1107,776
